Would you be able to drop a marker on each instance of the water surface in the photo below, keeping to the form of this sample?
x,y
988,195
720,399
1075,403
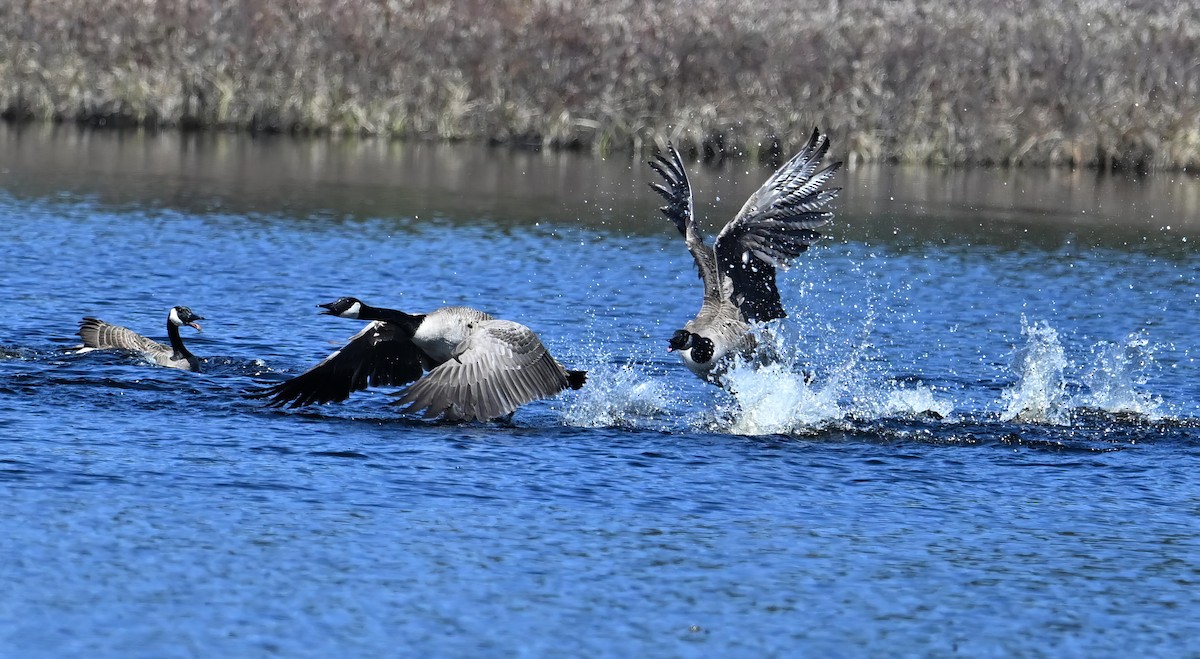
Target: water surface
x,y
995,456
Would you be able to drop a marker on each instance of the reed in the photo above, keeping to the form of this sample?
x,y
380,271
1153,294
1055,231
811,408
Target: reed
x,y
1102,83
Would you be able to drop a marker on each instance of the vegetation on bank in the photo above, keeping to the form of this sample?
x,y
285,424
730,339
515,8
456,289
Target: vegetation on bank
x,y
1082,82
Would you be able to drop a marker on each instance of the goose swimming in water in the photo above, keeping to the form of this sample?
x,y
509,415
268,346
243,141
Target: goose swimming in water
x,y
775,225
480,368
99,335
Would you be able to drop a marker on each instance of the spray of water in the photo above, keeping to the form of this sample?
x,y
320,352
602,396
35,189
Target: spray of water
x,y
1115,374
1112,379
816,383
1039,395
795,397
616,396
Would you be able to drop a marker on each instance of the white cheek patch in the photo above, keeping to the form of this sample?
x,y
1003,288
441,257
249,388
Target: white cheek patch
x,y
353,311
174,317
686,356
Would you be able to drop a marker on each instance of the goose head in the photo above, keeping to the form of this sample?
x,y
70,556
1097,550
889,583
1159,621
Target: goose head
x,y
345,307
181,316
681,340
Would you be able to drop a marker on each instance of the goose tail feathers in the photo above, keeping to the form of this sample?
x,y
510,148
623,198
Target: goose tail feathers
x,y
576,379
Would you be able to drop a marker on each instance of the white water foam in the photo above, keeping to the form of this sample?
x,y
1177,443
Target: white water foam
x,y
776,400
842,382
1040,393
1116,373
1113,378
788,398
616,396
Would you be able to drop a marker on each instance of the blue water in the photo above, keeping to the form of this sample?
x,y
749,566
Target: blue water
x,y
996,455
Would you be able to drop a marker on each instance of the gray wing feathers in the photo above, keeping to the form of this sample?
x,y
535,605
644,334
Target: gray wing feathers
x,y
794,193
457,314
501,366
775,225
100,335
681,211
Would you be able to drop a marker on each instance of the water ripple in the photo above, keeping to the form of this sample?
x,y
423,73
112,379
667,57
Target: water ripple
x,y
968,424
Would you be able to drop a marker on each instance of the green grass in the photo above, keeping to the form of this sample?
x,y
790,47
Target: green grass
x,y
1100,83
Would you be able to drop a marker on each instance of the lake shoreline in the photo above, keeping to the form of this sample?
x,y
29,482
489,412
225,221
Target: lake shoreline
x,y
709,155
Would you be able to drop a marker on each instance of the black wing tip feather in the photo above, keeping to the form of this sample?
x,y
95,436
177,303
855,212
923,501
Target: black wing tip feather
x,y
282,395
818,141
815,150
576,379
670,169
677,190
302,390
352,368
278,395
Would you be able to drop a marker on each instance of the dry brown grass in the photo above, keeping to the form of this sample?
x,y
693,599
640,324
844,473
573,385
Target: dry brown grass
x,y
1083,82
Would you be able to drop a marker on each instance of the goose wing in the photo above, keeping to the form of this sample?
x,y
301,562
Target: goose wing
x,y
776,224
501,366
677,190
375,357
99,335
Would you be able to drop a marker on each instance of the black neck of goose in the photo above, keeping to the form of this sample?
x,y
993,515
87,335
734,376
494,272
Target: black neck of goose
x,y
407,321
702,349
181,351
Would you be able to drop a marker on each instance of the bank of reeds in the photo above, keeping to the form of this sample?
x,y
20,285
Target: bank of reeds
x,y
1084,82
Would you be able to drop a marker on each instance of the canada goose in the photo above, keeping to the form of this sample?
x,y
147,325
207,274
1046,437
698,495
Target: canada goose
x,y
99,335
775,225
479,368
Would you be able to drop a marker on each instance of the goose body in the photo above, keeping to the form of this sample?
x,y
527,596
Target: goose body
x,y
99,335
775,225
479,368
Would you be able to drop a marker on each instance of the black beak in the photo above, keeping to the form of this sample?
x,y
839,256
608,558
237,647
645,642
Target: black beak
x,y
328,308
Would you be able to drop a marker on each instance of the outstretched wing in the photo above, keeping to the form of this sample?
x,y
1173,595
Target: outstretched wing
x,y
681,211
375,357
775,225
99,335
501,366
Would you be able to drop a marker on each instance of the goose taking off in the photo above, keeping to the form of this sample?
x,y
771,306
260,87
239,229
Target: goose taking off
x,y
99,335
775,225
479,368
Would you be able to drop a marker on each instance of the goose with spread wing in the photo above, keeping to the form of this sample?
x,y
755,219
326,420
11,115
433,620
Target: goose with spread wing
x,y
479,368
99,335
775,225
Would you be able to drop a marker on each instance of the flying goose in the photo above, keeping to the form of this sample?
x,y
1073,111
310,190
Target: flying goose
x,y
480,368
99,335
775,225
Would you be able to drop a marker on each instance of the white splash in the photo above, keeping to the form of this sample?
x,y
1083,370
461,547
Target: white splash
x,y
1039,395
776,400
1115,374
916,400
788,397
615,396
